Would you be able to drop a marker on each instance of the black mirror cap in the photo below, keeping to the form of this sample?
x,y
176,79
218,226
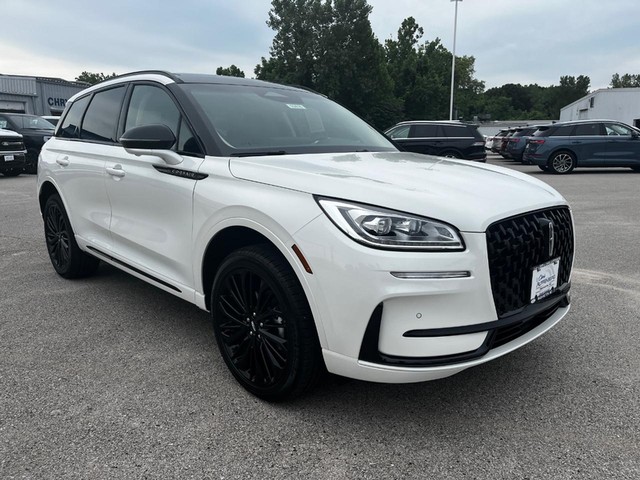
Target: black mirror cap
x,y
148,137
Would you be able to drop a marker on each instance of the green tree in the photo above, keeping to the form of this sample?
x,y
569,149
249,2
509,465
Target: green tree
x,y
625,81
329,46
93,78
231,71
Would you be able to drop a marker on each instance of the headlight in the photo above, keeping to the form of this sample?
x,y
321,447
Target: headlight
x,y
381,228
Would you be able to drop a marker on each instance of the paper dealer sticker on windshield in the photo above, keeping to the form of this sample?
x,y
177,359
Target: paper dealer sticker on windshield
x,y
544,280
296,106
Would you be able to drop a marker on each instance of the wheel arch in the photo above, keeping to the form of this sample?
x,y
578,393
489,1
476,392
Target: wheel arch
x,y
237,233
562,150
46,190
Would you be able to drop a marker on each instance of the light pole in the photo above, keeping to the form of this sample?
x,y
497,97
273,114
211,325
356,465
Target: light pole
x,y
453,61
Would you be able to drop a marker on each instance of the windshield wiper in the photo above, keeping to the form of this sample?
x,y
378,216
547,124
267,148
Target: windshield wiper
x,y
259,154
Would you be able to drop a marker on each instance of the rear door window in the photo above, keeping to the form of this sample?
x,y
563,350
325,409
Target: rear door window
x,y
563,131
424,131
101,120
454,131
70,127
588,129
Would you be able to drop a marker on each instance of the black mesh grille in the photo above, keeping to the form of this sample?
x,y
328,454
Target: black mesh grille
x,y
11,145
518,244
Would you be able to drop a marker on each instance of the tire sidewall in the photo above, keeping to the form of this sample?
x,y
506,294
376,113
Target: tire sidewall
x,y
55,200
290,311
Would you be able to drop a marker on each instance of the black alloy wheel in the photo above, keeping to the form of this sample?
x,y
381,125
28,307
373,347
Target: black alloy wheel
x,y
65,254
263,324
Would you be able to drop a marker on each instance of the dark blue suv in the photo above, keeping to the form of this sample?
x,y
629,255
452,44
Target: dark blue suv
x,y
561,147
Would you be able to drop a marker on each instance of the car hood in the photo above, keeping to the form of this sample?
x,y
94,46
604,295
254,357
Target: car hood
x,y
9,133
468,195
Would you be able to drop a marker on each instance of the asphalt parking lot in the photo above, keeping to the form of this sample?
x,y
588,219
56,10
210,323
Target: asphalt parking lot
x,y
110,377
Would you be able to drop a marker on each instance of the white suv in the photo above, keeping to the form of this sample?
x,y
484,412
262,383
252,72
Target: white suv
x,y
312,241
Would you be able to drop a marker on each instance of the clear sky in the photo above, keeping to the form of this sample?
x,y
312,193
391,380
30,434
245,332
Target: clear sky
x,y
513,41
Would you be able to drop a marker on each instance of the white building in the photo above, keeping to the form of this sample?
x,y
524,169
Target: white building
x,y
622,104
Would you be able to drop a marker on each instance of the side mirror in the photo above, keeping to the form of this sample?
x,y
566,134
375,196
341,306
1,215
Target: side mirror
x,y
634,135
151,140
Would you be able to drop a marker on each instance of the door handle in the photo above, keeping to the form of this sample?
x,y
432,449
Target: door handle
x,y
63,162
576,143
116,171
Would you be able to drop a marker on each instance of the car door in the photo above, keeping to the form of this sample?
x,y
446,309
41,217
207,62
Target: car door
x,y
589,143
77,157
151,202
622,146
423,139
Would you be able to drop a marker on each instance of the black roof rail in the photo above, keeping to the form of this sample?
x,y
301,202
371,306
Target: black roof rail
x,y
150,72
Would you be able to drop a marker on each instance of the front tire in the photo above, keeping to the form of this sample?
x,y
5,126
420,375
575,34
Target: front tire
x,y
263,324
562,163
65,254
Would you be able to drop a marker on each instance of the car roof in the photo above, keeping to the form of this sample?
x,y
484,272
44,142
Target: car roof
x,y
166,78
578,122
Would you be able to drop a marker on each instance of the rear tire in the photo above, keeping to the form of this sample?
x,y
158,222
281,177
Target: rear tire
x,y
65,254
263,324
12,173
562,163
451,155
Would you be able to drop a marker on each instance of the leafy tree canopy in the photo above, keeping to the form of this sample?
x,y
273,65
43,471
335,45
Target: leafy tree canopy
x,y
231,71
93,78
625,81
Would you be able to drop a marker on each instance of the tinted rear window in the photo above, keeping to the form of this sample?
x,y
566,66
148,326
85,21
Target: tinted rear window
x,y
419,131
588,129
101,120
455,131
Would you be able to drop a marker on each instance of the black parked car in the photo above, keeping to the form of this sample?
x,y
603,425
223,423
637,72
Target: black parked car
x,y
444,139
34,130
11,153
561,147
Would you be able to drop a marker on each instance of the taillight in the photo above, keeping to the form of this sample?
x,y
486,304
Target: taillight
x,y
536,142
514,140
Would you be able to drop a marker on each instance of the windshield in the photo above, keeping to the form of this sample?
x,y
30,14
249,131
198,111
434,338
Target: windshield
x,y
31,122
270,120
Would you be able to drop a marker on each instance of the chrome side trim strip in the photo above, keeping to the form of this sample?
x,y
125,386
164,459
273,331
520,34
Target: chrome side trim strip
x,y
430,275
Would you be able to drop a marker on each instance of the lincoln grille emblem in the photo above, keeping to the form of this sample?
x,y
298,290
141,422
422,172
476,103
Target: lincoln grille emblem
x,y
548,231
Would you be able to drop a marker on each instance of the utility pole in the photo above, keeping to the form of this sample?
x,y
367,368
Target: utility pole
x,y
453,61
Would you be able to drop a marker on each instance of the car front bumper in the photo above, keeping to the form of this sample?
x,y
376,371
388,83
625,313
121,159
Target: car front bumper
x,y
379,327
18,161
